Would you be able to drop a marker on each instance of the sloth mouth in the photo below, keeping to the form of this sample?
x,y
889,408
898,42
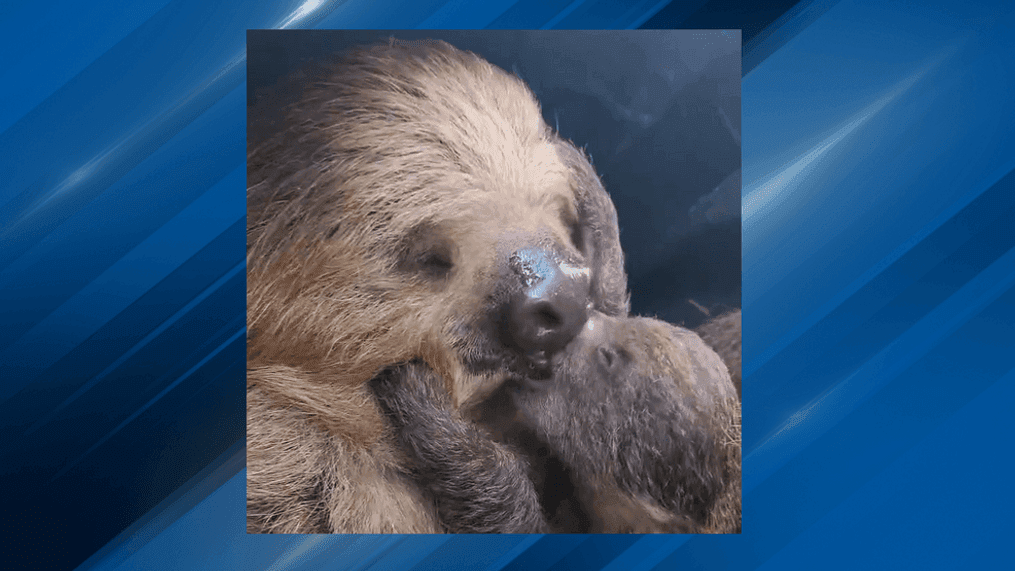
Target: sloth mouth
x,y
520,384
537,367
481,352
491,358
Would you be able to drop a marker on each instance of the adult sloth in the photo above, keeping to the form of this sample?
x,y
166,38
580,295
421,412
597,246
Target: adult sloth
x,y
414,207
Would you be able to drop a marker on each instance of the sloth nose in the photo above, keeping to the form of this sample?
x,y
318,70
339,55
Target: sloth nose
x,y
550,308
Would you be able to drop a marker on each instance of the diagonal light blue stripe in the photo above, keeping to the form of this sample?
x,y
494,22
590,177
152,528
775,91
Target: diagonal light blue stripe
x,y
904,171
89,176
782,30
806,323
138,346
761,196
915,489
306,14
626,22
523,546
179,546
414,554
120,285
63,42
146,529
648,552
563,14
655,561
148,405
381,546
821,415
482,13
768,198
302,549
42,196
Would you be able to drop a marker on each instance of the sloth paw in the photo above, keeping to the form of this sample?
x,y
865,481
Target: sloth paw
x,y
408,390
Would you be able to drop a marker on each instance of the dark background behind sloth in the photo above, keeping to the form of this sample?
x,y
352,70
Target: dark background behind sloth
x,y
657,111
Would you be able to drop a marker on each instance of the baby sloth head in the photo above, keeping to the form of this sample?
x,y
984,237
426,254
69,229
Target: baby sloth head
x,y
646,418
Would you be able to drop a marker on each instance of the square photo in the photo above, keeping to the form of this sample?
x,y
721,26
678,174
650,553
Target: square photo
x,y
493,282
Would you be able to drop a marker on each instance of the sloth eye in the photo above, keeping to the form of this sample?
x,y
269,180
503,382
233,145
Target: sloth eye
x,y
437,262
427,252
429,264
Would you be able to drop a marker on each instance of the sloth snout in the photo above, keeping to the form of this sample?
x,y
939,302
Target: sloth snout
x,y
550,307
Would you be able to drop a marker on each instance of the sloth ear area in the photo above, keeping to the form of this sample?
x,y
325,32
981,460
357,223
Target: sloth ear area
x,y
577,231
581,237
427,252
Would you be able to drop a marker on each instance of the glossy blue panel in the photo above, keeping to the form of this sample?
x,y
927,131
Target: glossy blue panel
x,y
878,287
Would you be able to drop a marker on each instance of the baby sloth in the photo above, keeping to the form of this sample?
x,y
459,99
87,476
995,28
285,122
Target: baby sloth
x,y
639,428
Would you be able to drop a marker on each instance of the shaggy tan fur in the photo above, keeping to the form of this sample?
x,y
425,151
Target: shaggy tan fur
x,y
400,153
401,144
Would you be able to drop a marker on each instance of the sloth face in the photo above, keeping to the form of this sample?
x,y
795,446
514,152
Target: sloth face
x,y
418,206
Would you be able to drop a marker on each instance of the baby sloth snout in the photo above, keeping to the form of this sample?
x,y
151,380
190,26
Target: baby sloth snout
x,y
550,307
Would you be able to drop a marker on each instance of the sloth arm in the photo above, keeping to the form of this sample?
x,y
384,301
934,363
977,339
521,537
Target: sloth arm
x,y
479,486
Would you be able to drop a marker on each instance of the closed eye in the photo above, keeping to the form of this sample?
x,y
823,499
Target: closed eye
x,y
437,262
427,252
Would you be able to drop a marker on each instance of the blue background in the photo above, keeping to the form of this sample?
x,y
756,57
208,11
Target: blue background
x,y
878,287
